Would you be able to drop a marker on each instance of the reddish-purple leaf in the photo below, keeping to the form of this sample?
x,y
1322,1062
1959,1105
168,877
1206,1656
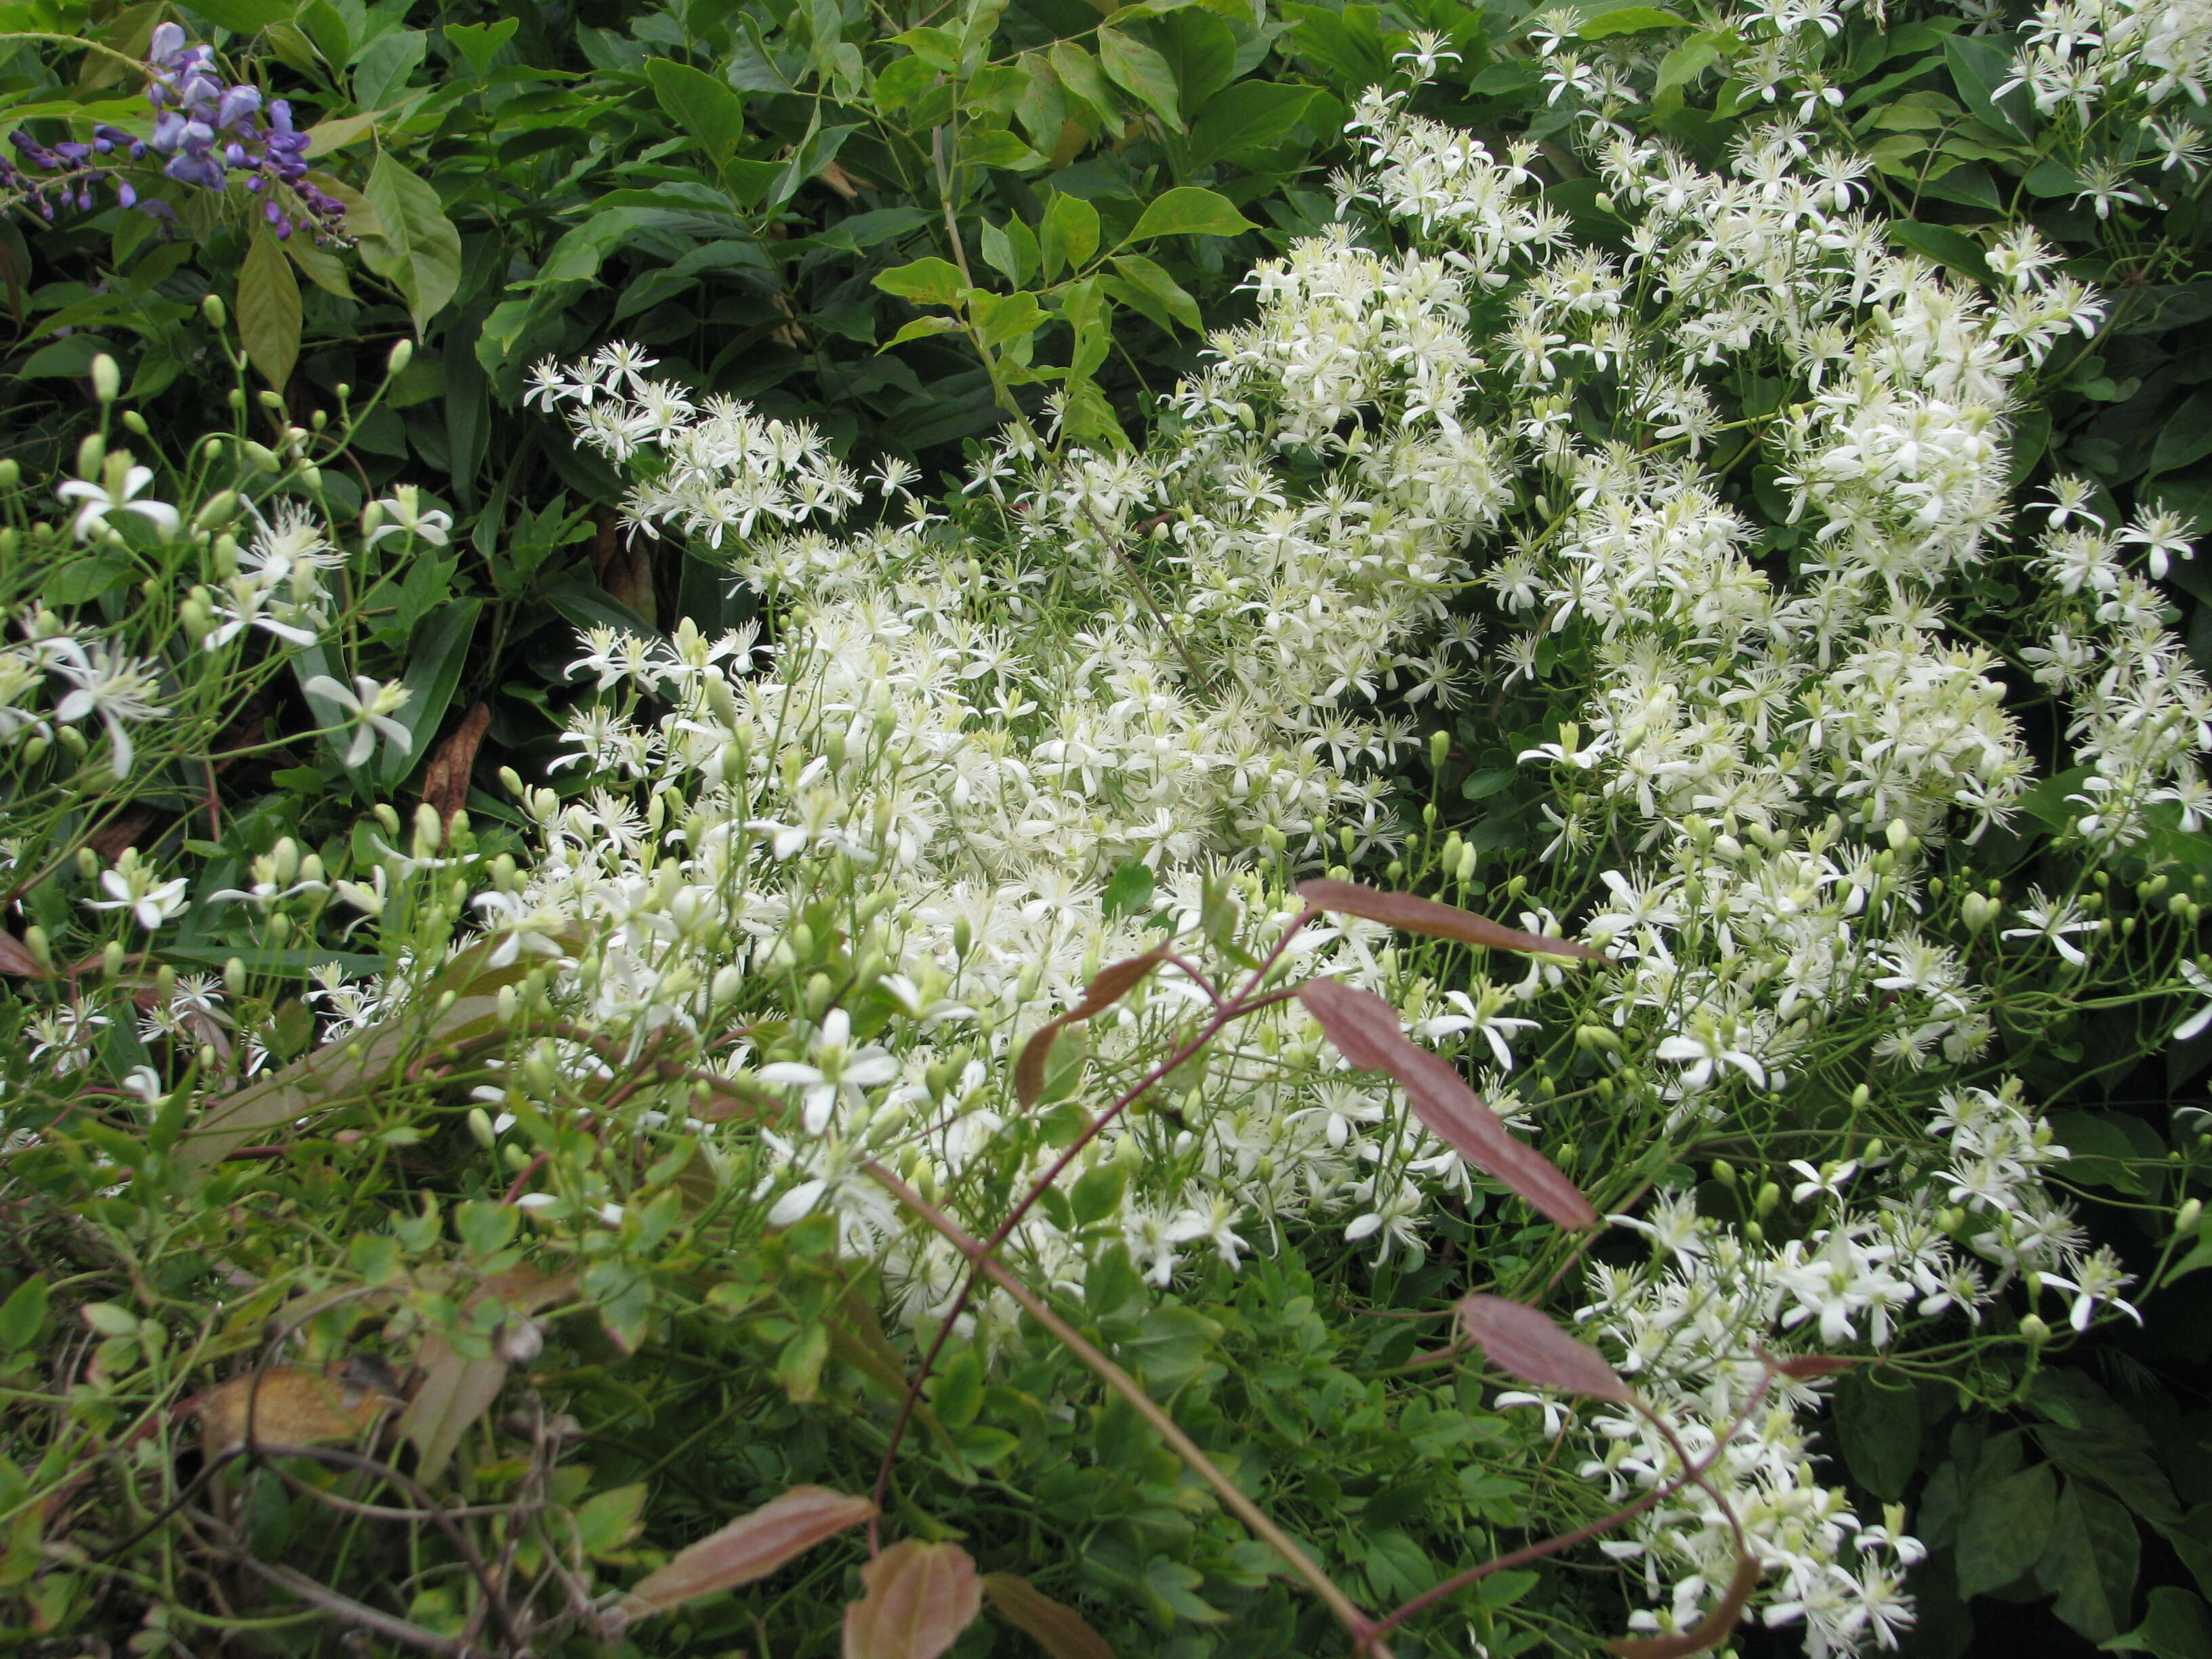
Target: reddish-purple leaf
x,y
1524,1341
15,959
1715,1628
1060,1631
1805,1367
1113,983
751,1546
919,1597
1420,915
1364,1029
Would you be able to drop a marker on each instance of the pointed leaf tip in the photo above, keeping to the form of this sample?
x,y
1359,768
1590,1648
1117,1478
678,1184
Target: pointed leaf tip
x,y
1364,1029
1420,915
1112,983
1525,1341
750,1547
1060,1630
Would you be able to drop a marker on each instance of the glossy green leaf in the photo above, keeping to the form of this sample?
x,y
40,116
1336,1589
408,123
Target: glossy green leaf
x,y
1978,67
2004,1526
1000,318
2186,437
268,307
2175,1626
1070,235
439,651
380,76
1200,52
703,106
1952,249
479,42
1630,20
1247,121
1188,210
2091,1561
243,16
23,1314
931,282
1142,73
1879,1428
417,247
1145,286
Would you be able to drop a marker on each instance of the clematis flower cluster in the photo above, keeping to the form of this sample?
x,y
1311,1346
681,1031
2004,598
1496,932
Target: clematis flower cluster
x,y
857,862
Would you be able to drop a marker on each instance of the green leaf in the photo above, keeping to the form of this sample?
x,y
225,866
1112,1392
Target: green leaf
x,y
1247,121
926,282
1978,68
1080,77
1880,1432
441,651
703,106
2186,437
1200,53
385,65
921,328
23,1314
1070,235
417,247
1630,20
1144,286
479,42
1000,318
1952,249
1129,891
1143,73
1685,63
2091,1561
610,1519
1169,1345
1096,1195
2005,1527
2103,1153
1188,210
268,307
243,16
2176,1626
957,1393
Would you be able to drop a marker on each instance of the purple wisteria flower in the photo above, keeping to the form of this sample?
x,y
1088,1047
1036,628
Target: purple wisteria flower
x,y
209,134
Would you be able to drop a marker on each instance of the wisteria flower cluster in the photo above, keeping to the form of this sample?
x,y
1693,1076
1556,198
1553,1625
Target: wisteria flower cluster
x,y
209,134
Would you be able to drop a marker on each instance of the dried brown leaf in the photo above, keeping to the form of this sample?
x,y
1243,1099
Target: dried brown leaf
x,y
445,778
455,1389
287,1406
918,1598
1364,1029
1113,983
1715,1628
1058,1629
1525,1341
1420,915
751,1546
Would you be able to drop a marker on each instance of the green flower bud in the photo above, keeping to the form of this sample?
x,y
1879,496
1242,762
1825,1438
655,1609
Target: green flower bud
x,y
106,378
